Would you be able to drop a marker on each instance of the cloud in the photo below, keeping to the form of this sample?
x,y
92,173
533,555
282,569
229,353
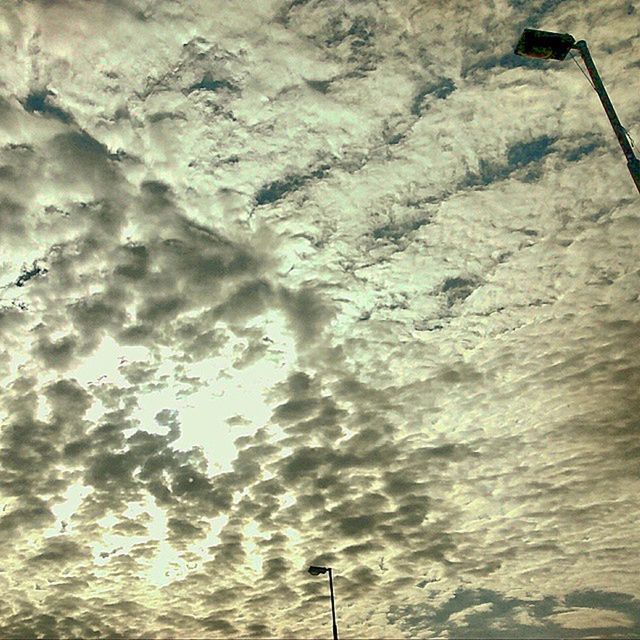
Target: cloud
x,y
301,282
60,551
469,612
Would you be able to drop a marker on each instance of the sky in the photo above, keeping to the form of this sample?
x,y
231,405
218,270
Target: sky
x,y
331,282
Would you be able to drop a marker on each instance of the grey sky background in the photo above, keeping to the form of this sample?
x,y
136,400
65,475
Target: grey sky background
x,y
316,282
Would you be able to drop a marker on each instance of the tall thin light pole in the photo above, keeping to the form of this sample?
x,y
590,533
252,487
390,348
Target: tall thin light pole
x,y
632,162
316,571
333,607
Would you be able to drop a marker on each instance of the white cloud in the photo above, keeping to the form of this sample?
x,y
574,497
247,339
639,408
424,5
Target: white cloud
x,y
592,619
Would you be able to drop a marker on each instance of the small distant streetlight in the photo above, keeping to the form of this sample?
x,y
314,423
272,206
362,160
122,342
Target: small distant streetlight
x,y
316,571
556,46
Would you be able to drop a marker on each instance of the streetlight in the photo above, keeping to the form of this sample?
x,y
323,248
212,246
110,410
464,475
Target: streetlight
x,y
316,571
556,46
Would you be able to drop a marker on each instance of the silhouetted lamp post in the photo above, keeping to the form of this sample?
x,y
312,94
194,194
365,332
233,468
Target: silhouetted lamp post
x,y
316,571
556,46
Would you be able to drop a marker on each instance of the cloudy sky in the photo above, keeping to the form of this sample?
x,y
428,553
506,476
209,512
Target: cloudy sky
x,y
337,282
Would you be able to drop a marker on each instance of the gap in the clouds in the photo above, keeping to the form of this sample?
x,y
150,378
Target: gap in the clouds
x,y
105,363
216,400
251,533
231,401
167,564
64,510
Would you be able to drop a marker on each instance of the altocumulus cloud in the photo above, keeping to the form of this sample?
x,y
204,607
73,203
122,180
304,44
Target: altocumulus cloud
x,y
297,281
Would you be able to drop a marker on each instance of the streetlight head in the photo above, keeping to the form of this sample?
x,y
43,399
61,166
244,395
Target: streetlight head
x,y
544,44
316,571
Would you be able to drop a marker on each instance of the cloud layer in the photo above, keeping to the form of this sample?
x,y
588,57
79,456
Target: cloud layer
x,y
304,282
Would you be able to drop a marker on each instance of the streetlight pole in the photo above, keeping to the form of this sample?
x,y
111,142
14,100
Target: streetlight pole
x,y
333,606
316,571
632,162
549,45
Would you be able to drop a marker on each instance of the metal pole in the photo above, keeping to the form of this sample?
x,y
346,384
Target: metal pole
x,y
333,607
632,162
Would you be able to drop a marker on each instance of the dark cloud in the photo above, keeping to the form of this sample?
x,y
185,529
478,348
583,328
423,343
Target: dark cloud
x,y
60,550
99,312
30,513
218,624
82,156
56,354
248,301
68,399
320,85
129,527
11,212
135,261
307,313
